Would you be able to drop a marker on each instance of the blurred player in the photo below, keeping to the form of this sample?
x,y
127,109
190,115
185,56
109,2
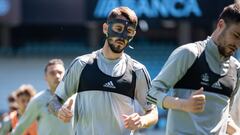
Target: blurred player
x,y
23,95
37,109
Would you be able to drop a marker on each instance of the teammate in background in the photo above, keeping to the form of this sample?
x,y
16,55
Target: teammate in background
x,y
37,109
12,105
203,76
23,94
107,82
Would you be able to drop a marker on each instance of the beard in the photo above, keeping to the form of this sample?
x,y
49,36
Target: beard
x,y
223,45
223,52
115,48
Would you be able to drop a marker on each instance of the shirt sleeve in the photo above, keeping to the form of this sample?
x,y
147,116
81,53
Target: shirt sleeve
x,y
173,70
235,109
6,126
69,84
143,82
29,116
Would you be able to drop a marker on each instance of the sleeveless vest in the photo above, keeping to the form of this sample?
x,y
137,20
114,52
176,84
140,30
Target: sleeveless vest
x,y
92,78
200,75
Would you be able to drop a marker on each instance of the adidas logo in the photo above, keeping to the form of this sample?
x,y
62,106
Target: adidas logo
x,y
109,85
217,85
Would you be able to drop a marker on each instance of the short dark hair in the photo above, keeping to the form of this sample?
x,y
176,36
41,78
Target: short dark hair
x,y
53,62
125,12
231,13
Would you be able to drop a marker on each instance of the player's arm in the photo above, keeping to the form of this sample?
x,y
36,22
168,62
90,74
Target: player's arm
x,y
67,87
6,126
195,103
63,112
135,121
234,119
150,116
173,70
151,113
232,128
29,116
64,90
235,102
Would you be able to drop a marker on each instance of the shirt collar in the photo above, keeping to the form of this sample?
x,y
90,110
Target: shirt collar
x,y
102,57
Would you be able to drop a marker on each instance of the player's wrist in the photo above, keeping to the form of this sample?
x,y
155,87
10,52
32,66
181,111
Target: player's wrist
x,y
181,105
143,122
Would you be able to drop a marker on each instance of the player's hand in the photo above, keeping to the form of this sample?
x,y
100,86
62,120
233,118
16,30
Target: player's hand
x,y
65,114
232,128
133,121
195,103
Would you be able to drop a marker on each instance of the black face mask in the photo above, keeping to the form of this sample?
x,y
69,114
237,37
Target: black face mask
x,y
124,34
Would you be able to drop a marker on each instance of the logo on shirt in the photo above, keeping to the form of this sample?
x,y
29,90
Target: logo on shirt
x,y
217,85
205,79
109,85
